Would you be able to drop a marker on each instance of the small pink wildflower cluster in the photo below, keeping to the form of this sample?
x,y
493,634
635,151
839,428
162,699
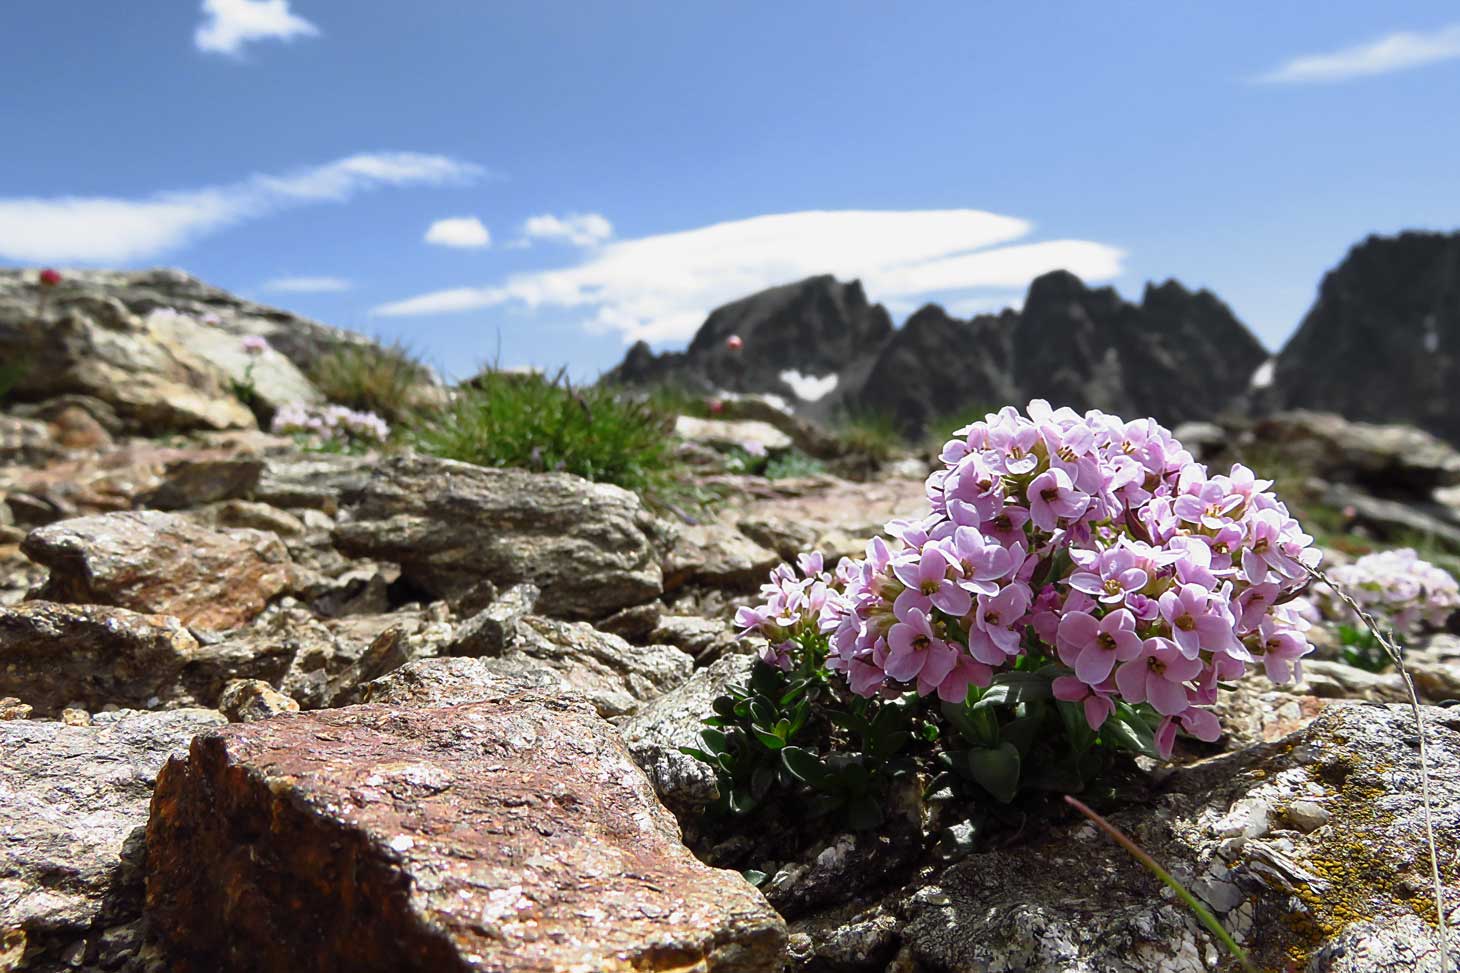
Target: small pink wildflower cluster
x,y
1084,540
1397,587
330,424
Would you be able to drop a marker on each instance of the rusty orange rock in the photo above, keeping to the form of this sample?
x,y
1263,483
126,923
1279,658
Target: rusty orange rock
x,y
514,834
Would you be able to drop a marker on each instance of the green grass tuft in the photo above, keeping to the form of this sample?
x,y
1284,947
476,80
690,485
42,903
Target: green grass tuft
x,y
535,423
387,380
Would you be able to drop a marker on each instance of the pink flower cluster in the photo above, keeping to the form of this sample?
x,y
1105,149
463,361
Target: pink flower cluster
x,y
1084,539
1398,587
330,424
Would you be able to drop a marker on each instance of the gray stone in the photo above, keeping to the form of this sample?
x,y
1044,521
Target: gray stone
x,y
52,656
655,734
248,700
73,807
592,548
490,630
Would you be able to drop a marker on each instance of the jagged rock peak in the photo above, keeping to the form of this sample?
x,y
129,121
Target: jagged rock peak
x,y
1382,341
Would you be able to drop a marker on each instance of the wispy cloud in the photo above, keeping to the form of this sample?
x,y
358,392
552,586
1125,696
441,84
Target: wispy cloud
x,y
459,231
230,24
1393,52
307,285
103,229
579,229
660,288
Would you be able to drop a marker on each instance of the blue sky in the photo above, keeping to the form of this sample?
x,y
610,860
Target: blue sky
x,y
613,170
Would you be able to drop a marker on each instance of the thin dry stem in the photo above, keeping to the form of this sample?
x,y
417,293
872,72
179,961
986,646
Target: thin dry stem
x,y
1396,655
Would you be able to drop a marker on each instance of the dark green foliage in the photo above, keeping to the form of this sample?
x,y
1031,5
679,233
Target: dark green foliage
x,y
1361,649
549,425
387,380
802,741
11,375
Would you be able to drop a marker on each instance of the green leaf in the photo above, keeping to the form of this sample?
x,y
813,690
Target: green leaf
x,y
1011,688
850,722
754,877
699,755
763,711
768,739
724,706
1129,731
929,732
715,741
996,770
741,801
805,766
1024,732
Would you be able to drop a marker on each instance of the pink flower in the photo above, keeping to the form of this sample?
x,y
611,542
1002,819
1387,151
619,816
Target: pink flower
x,y
255,344
50,278
982,563
965,672
992,639
1052,497
1158,676
1115,575
915,651
1200,723
1195,622
1092,647
1097,703
716,406
929,586
734,343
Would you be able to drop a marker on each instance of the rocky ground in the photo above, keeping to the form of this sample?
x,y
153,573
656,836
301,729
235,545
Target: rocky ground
x,y
266,708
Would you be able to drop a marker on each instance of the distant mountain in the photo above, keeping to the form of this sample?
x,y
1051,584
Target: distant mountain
x,y
819,328
1177,355
1382,342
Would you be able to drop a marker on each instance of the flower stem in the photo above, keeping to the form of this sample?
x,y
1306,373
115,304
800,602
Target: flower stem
x,y
1201,911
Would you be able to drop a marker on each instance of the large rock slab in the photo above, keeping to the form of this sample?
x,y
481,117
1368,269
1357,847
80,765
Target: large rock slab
x,y
1310,850
592,548
53,656
514,834
152,561
73,809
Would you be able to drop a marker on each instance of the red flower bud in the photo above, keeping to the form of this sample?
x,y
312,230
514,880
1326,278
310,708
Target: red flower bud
x,y
734,343
716,406
50,278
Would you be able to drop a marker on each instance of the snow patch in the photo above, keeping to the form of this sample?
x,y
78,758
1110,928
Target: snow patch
x,y
1262,378
808,388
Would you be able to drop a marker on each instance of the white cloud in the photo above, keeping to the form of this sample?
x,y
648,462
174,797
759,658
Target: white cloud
x,y
101,229
660,288
459,231
579,229
307,285
230,24
1393,52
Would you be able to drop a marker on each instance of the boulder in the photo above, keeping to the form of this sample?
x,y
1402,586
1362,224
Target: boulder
x,y
718,555
752,435
1388,460
452,680
675,719
53,656
315,481
156,562
73,811
91,343
1310,851
591,548
612,674
514,834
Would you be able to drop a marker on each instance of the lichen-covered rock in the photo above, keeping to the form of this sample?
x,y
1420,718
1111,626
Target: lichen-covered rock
x,y
592,548
150,561
1300,890
53,656
675,719
510,835
489,631
73,807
